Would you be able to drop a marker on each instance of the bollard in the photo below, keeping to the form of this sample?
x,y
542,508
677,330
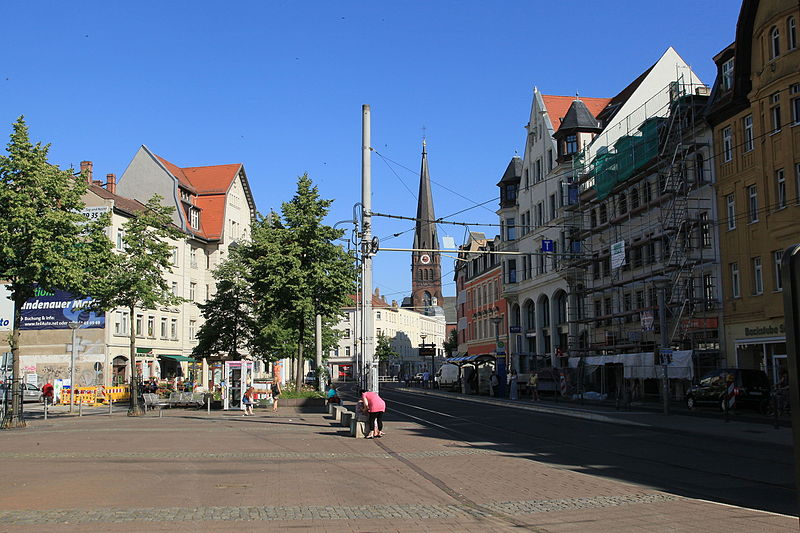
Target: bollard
x,y
45,408
80,409
208,404
110,404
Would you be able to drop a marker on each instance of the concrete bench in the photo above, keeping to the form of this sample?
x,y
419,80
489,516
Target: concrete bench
x,y
337,412
346,418
358,426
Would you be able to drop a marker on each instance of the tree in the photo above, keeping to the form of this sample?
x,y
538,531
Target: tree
x,y
383,348
229,322
137,277
451,344
45,241
298,272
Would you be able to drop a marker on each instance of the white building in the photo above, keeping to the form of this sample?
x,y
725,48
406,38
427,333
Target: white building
x,y
404,327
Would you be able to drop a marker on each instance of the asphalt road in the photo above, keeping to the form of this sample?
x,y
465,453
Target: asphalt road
x,y
735,472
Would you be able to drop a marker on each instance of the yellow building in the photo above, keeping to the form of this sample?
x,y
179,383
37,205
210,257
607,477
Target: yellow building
x,y
755,114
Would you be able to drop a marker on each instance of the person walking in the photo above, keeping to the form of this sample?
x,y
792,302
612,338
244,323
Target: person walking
x,y
494,384
248,400
375,406
533,383
47,393
276,393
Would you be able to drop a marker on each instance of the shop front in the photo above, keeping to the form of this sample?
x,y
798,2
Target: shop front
x,y
761,346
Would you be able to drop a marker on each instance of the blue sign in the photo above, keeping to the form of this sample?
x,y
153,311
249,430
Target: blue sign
x,y
55,310
547,245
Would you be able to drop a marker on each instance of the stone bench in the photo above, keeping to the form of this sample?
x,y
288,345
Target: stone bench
x,y
346,418
358,426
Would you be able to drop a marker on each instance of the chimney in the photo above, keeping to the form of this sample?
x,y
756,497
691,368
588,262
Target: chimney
x,y
86,167
111,183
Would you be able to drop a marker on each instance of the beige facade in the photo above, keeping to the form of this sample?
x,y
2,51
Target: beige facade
x,y
756,118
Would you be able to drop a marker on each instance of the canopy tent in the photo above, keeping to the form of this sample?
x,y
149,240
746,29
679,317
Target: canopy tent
x,y
642,365
178,357
475,358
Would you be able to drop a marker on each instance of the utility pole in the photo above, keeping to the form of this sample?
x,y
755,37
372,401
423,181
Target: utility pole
x,y
661,285
320,383
74,327
367,250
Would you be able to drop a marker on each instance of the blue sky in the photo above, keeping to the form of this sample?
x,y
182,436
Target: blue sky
x,y
279,85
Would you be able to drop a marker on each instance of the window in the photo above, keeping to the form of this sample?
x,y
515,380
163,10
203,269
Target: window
x,y
192,291
347,333
193,258
727,144
151,326
139,324
777,258
174,256
121,323
730,200
512,271
634,198
752,206
192,330
708,287
571,144
377,315
727,74
175,288
795,89
549,160
603,214
791,34
775,112
552,206
758,279
780,189
511,230
540,214
537,175
347,351
623,204
120,240
511,193
195,218
173,329
163,328
640,304
647,192
705,230
747,123
775,42
527,180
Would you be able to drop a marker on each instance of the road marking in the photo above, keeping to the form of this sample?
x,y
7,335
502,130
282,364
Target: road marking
x,y
423,409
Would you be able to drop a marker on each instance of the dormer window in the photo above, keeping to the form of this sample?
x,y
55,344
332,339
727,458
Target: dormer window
x,y
511,192
185,196
194,218
727,74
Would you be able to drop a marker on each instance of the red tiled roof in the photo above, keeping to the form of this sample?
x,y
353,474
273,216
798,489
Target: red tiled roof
x,y
377,301
128,205
210,185
557,106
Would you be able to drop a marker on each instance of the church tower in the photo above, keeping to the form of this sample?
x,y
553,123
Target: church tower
x,y
426,269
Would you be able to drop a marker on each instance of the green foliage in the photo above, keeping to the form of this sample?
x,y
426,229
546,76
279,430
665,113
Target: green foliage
x,y
290,391
44,239
137,278
297,271
383,349
451,344
229,321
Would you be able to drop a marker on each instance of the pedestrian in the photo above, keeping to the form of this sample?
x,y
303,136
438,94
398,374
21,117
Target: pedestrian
x,y
375,406
513,385
533,383
248,400
332,396
494,384
425,377
276,393
47,393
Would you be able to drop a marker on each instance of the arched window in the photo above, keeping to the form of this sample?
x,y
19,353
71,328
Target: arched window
x,y
530,316
426,299
775,42
419,274
791,33
561,309
698,170
623,204
544,312
634,198
603,214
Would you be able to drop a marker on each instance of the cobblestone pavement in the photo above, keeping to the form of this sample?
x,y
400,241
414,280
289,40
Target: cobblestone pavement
x,y
189,471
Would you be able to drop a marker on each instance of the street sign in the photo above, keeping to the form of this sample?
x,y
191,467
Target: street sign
x,y
516,329
547,245
666,356
501,348
617,254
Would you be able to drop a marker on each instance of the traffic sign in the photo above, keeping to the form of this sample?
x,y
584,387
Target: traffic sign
x,y
547,245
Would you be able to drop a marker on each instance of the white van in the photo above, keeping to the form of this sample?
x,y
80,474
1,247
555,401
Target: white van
x,y
447,377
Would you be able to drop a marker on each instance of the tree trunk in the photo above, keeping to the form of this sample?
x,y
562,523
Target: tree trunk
x,y
298,382
135,409
15,418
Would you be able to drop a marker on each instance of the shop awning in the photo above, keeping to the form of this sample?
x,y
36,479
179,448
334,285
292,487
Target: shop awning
x,y
475,358
178,357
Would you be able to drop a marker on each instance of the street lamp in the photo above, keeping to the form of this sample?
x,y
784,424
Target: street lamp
x,y
662,283
500,369
423,336
74,327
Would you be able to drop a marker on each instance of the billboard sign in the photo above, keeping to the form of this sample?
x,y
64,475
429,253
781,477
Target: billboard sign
x,y
6,309
56,309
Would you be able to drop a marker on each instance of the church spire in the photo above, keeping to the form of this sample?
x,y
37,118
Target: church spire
x,y
426,273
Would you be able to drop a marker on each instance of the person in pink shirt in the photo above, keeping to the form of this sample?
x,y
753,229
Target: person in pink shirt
x,y
375,406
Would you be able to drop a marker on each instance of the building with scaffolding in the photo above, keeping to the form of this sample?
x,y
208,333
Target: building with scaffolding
x,y
624,213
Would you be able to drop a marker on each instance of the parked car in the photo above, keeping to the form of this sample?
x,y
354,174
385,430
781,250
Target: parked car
x,y
311,378
418,377
30,393
751,388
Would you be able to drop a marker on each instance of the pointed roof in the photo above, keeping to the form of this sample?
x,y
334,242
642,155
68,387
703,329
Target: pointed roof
x,y
425,234
558,106
579,117
513,171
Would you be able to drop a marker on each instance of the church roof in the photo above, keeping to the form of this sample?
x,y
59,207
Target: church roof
x,y
425,235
